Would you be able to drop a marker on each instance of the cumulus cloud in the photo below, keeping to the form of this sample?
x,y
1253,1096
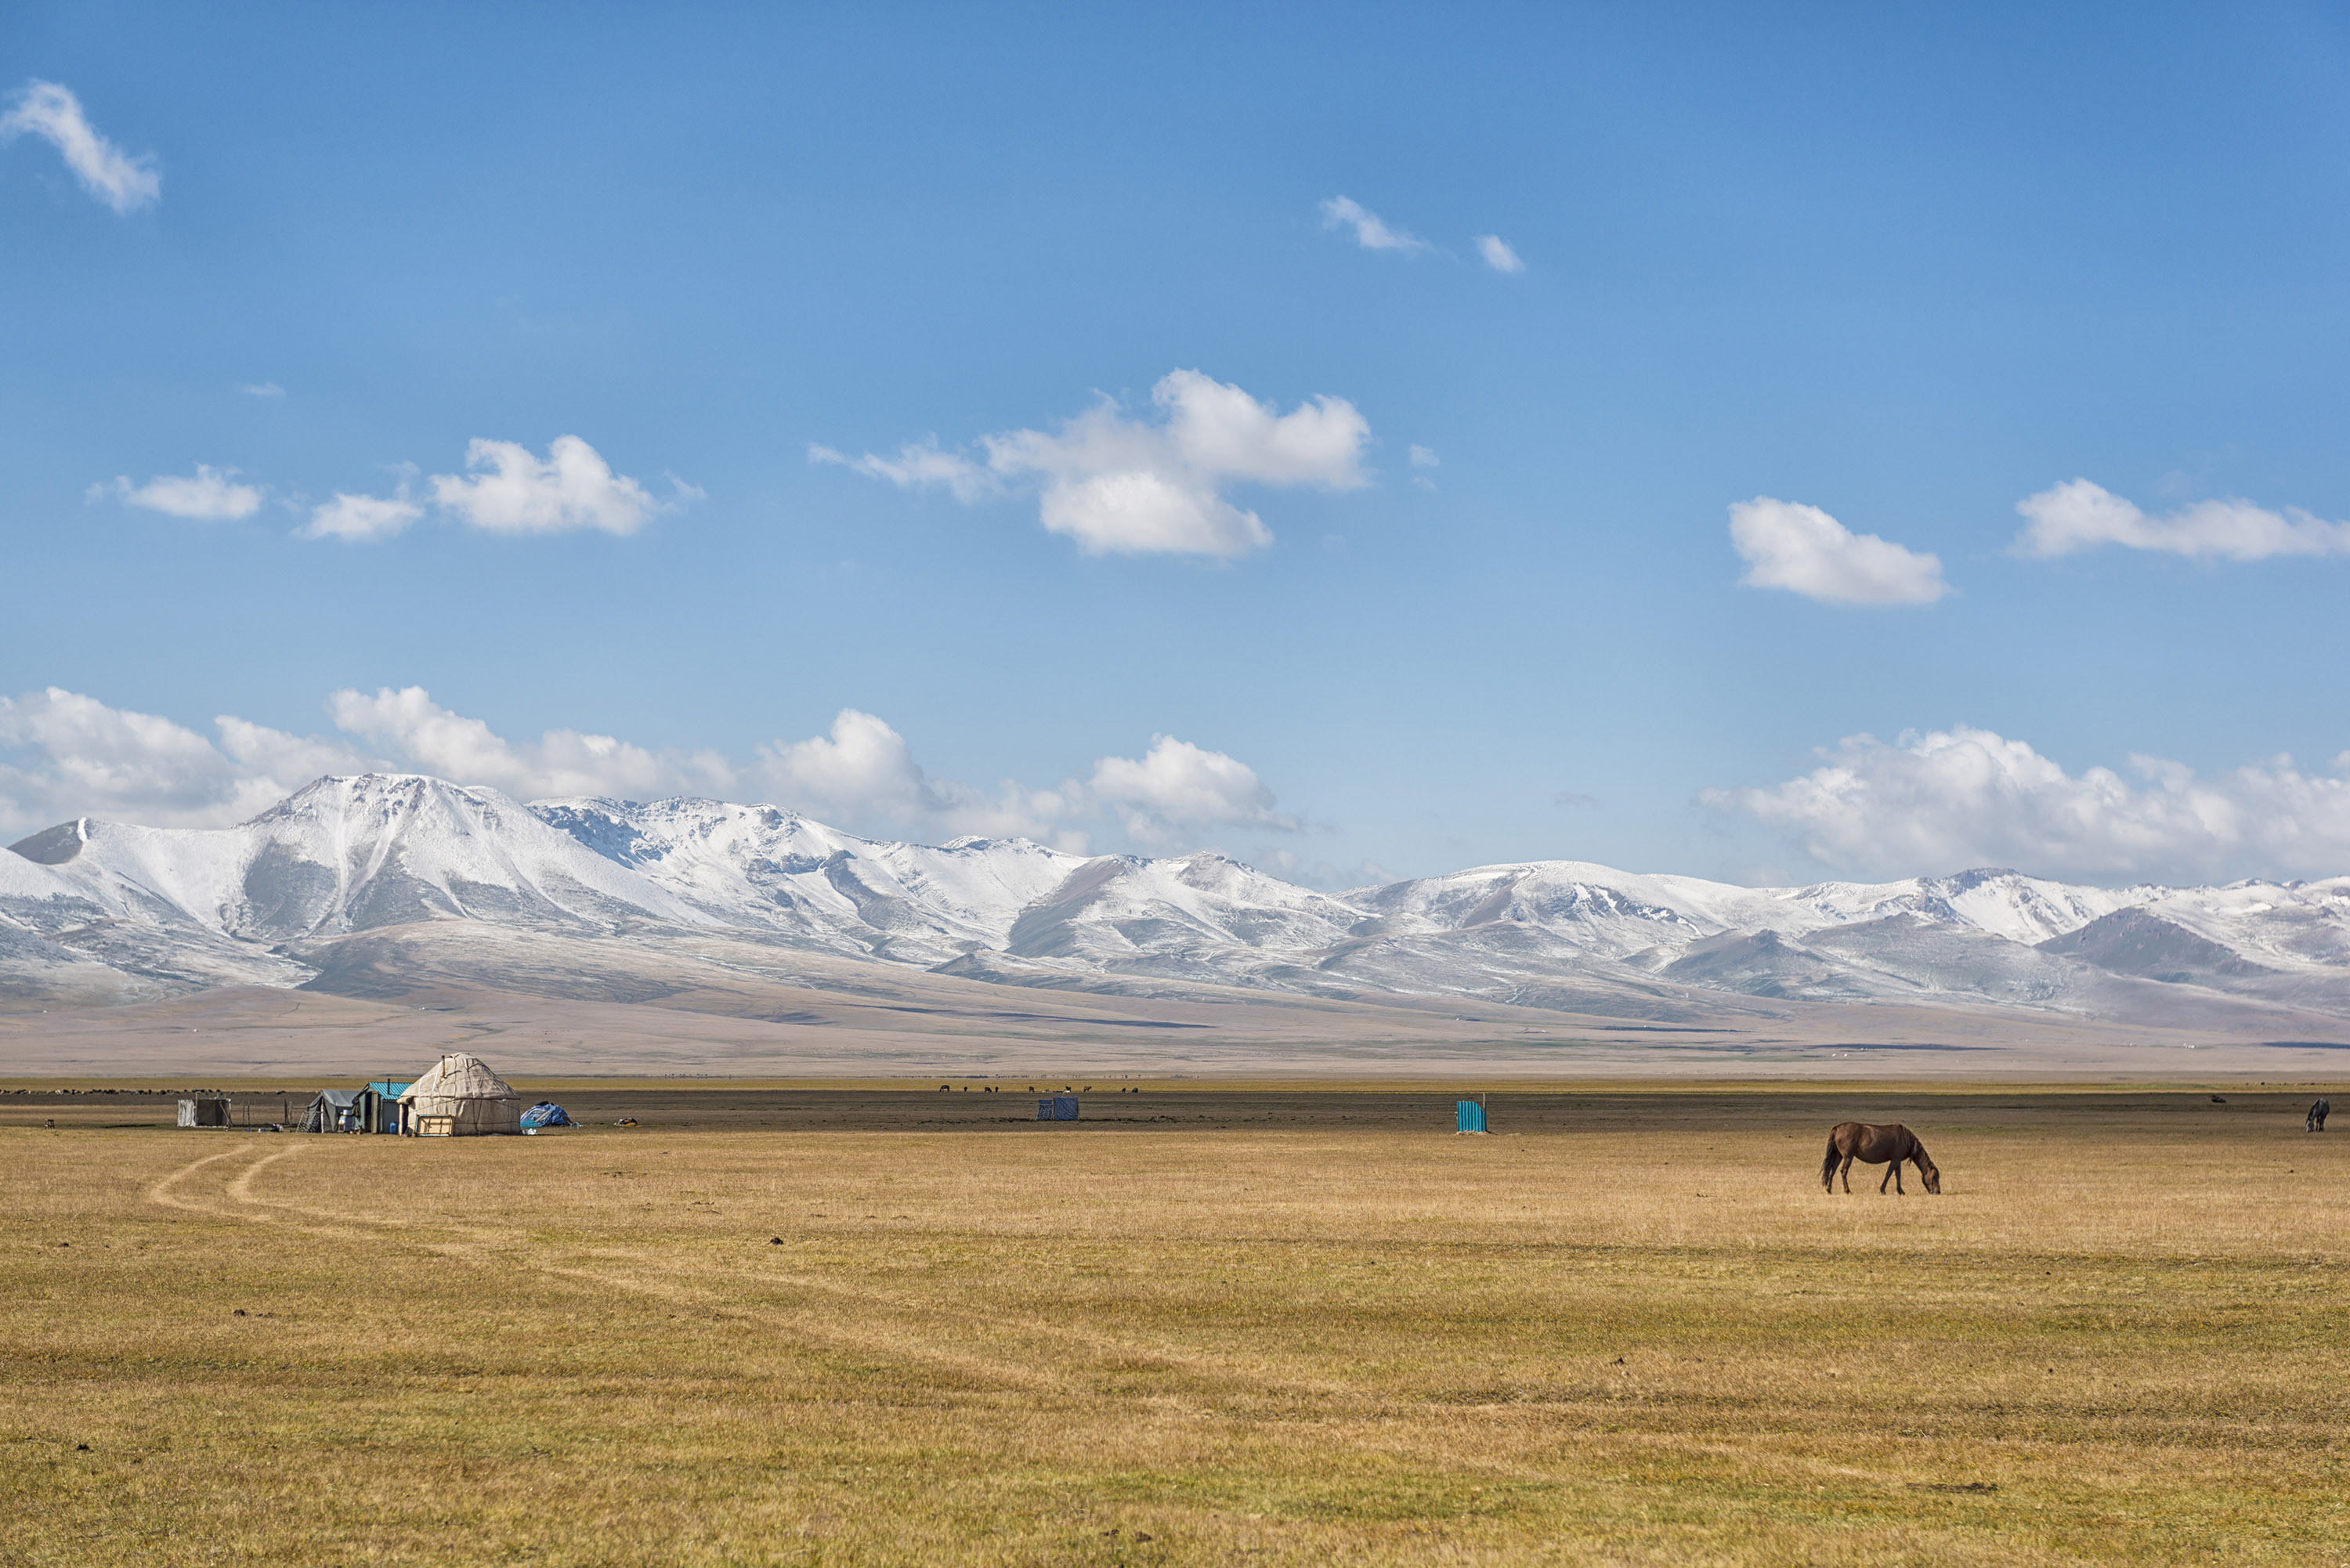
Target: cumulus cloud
x,y
1128,486
1346,213
1175,789
1498,255
357,518
1946,800
50,111
2078,515
63,756
863,775
423,735
507,489
1805,551
210,494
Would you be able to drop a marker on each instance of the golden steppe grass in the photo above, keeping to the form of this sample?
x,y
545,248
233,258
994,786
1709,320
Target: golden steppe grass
x,y
2117,1336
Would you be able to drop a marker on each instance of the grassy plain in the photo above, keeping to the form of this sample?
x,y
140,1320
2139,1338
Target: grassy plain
x,y
1276,1327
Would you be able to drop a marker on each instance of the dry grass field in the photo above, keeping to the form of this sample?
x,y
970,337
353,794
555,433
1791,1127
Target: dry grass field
x,y
1277,1327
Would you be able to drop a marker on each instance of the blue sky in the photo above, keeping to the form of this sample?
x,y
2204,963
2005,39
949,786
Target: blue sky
x,y
1907,271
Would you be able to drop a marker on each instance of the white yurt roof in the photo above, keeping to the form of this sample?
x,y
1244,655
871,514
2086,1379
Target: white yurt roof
x,y
459,1077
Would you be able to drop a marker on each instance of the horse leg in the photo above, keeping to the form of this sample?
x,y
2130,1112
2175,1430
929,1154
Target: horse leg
x,y
1845,1171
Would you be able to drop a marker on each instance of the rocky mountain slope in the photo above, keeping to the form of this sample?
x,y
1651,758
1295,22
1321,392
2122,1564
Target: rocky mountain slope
x,y
304,894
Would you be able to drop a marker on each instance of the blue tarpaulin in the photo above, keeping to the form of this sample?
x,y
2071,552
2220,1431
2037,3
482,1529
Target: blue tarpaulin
x,y
547,1114
1058,1109
1471,1117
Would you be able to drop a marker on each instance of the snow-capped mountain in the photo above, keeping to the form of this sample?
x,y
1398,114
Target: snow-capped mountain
x,y
101,910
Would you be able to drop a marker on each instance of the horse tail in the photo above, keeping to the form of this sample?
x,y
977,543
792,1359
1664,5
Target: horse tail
x,y
1827,1166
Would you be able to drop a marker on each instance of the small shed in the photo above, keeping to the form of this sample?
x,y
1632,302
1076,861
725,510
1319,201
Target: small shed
x,y
459,1096
380,1105
1057,1108
1468,1116
205,1111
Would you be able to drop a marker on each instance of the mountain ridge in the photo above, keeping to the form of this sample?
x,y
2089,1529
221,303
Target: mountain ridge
x,y
98,910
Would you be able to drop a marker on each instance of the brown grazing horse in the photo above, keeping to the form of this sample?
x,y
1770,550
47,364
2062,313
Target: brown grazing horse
x,y
1888,1145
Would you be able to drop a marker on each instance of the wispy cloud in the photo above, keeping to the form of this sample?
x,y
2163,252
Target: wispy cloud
x,y
917,464
1369,231
209,494
51,111
357,519
1498,255
1121,485
262,390
2078,515
1804,550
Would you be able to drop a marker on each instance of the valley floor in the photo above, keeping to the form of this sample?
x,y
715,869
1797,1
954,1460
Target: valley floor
x,y
1265,1326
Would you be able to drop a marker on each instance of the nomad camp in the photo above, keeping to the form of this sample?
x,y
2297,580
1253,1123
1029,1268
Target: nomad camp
x,y
457,1097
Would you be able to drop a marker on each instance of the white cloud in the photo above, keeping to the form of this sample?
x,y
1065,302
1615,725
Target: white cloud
x,y
1948,799
864,775
1805,551
507,489
1176,789
262,390
1345,213
209,494
917,464
1118,485
408,725
1424,457
358,518
50,111
64,755
1499,255
2078,515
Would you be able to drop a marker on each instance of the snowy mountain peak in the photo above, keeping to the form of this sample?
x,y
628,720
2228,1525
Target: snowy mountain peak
x,y
263,901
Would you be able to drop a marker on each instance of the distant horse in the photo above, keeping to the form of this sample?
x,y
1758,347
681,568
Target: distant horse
x,y
1888,1145
2317,1114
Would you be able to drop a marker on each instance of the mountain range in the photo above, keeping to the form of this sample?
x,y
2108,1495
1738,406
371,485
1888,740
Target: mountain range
x,y
357,886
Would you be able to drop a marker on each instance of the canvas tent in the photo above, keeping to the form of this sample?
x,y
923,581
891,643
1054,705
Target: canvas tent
x,y
335,1110
459,1096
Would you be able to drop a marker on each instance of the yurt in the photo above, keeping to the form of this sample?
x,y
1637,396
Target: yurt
x,y
459,1096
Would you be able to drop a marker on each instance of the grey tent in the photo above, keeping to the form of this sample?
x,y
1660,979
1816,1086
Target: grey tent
x,y
459,1096
335,1110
